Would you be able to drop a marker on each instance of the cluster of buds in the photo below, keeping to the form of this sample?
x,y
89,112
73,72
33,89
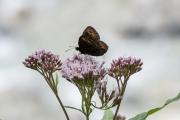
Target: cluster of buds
x,y
43,61
105,96
101,89
46,63
125,67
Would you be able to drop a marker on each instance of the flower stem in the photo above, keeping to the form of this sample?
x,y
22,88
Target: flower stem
x,y
51,84
121,95
61,104
87,117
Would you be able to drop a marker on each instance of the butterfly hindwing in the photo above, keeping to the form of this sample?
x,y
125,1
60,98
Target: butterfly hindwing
x,y
99,48
85,45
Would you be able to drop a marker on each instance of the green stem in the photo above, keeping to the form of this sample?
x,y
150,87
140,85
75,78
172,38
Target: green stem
x,y
87,117
61,104
74,108
121,95
87,107
86,103
49,79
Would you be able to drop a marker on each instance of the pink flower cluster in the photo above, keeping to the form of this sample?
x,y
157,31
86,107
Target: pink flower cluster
x,y
125,67
80,65
43,61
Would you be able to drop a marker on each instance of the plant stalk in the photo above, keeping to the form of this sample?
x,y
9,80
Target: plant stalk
x,y
121,95
61,104
50,81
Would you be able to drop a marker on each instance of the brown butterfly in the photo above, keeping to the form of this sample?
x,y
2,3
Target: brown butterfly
x,y
89,43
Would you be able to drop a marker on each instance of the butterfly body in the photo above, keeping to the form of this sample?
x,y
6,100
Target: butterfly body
x,y
89,43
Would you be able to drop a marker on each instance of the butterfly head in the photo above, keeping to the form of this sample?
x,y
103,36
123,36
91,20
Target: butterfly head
x,y
81,50
77,48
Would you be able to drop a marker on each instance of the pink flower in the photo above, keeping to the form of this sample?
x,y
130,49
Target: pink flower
x,y
125,67
43,61
81,66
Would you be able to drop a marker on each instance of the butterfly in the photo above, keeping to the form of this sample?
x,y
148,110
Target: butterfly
x,y
90,43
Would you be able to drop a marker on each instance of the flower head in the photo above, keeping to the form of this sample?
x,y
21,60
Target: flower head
x,y
81,66
43,61
125,67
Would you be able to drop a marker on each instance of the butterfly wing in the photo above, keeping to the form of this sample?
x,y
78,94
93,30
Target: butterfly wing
x,y
99,49
89,43
85,45
91,34
87,40
93,48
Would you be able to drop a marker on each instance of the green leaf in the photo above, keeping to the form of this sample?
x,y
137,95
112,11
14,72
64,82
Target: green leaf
x,y
108,115
143,116
56,80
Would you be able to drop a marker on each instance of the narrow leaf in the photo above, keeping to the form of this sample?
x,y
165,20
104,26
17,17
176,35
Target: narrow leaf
x,y
143,116
56,80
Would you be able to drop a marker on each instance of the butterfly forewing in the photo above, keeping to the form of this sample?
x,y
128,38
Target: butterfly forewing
x,y
91,33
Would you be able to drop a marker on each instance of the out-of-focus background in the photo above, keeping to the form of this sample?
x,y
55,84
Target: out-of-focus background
x,y
148,29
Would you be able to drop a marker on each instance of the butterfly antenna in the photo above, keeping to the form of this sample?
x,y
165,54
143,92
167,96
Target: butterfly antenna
x,y
70,48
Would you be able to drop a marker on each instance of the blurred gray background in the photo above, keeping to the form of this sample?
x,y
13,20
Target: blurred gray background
x,y
148,29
